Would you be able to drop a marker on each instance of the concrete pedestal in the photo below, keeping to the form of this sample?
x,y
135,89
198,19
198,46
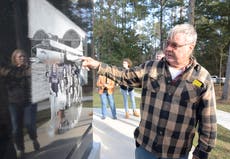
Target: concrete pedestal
x,y
95,152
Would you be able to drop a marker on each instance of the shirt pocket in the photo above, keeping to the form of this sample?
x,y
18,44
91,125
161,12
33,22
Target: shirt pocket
x,y
191,93
151,83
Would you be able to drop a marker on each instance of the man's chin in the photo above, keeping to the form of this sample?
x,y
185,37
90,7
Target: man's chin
x,y
170,60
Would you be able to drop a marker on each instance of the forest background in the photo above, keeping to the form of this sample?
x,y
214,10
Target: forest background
x,y
137,29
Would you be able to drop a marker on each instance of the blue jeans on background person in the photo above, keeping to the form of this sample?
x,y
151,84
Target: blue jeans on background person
x,y
141,153
125,94
16,115
104,97
30,115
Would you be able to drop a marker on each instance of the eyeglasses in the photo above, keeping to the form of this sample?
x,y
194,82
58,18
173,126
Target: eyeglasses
x,y
174,45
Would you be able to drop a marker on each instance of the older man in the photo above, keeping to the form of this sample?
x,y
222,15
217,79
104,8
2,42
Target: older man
x,y
178,98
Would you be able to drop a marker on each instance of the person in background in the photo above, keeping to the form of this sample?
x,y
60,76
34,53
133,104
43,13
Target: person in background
x,y
106,89
177,98
128,91
159,55
18,83
57,98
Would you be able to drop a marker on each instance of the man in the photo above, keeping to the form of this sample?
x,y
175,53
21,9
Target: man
x,y
177,97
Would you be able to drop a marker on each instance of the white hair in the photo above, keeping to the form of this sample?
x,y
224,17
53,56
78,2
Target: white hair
x,y
187,29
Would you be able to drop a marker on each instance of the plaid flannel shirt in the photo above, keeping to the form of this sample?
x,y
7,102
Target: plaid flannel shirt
x,y
171,110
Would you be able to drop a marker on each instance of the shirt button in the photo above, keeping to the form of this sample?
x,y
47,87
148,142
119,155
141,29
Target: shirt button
x,y
161,132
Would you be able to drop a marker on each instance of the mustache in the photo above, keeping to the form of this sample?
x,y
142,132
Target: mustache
x,y
170,53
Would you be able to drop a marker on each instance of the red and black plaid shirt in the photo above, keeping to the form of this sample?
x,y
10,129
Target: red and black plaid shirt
x,y
171,110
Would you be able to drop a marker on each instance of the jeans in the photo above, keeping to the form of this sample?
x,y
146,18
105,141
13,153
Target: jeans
x,y
104,97
30,115
16,115
141,153
125,94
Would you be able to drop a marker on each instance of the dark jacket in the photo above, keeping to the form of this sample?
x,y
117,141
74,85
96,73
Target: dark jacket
x,y
126,88
18,84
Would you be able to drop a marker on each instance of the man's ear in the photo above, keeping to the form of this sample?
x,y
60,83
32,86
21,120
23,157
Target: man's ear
x,y
191,47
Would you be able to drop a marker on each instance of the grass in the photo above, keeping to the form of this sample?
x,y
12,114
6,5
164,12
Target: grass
x,y
117,98
224,107
221,105
222,149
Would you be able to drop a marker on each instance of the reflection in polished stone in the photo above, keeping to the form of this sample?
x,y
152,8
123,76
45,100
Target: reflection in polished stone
x,y
60,145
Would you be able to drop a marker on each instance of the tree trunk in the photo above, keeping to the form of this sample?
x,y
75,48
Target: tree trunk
x,y
161,29
191,12
226,89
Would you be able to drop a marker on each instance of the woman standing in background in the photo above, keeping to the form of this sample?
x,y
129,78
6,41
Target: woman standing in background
x,y
18,83
128,91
